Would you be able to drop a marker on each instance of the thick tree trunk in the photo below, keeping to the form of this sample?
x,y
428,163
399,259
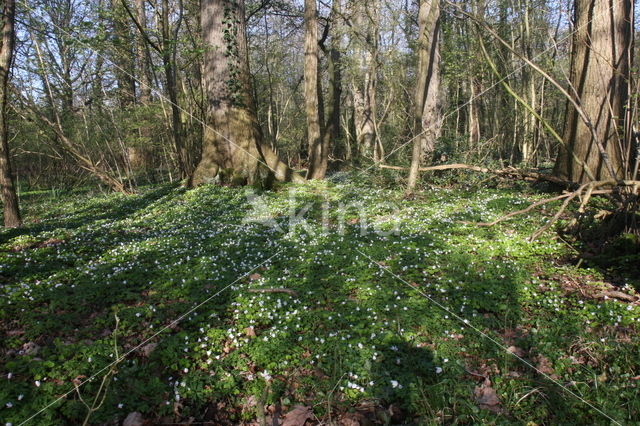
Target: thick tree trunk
x,y
365,79
599,78
364,103
334,69
427,86
9,197
318,154
232,141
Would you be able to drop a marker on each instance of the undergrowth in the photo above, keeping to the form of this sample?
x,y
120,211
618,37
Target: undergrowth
x,y
362,331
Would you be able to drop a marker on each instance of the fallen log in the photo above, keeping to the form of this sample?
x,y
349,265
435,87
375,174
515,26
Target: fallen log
x,y
509,171
584,192
273,290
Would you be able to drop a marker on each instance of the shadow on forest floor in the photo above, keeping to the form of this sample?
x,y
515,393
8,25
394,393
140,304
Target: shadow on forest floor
x,y
357,334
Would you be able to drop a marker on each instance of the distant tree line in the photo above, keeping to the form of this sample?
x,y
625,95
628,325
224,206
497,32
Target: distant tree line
x,y
125,92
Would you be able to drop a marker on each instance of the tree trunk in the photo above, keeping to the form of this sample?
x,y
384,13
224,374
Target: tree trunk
x,y
171,79
123,56
334,69
318,154
144,77
9,198
140,155
474,113
232,141
427,86
365,80
599,80
529,144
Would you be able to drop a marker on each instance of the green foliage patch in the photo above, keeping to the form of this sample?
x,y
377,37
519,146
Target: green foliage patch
x,y
362,324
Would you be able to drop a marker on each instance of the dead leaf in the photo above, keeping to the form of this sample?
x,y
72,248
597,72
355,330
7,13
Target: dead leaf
x,y
603,378
250,331
177,408
255,276
486,397
251,402
78,380
351,419
543,365
133,419
29,348
298,416
147,349
516,351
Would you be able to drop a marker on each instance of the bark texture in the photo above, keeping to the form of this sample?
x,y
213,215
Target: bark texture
x,y
123,55
232,148
169,36
427,86
364,81
331,134
142,56
9,198
600,67
318,154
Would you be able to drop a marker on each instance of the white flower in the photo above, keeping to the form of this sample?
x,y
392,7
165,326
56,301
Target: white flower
x,y
9,376
20,397
9,404
438,370
120,405
37,382
186,370
394,384
265,374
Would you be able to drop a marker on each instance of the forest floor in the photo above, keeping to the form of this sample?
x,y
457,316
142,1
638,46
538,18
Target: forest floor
x,y
325,302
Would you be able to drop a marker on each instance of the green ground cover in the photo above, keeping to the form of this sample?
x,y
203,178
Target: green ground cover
x,y
395,311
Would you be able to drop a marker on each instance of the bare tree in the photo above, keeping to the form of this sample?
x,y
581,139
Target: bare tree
x,y
600,67
9,198
427,117
318,153
334,69
364,78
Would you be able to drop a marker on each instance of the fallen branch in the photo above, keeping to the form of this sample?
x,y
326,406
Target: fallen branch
x,y
509,172
273,290
612,294
584,192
